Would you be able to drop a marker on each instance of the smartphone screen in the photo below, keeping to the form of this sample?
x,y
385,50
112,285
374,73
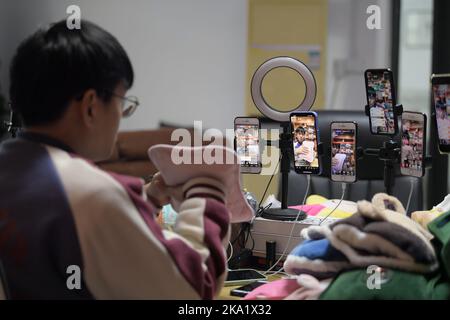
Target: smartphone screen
x,y
244,290
413,144
343,151
247,144
304,142
381,100
441,99
243,276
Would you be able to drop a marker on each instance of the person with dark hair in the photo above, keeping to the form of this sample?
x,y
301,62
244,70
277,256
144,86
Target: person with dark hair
x,y
72,231
299,138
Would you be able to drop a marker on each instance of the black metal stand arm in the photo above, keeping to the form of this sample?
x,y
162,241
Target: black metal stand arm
x,y
389,153
285,146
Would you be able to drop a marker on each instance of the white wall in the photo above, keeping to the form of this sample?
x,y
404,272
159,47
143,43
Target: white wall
x,y
3,67
352,48
189,56
415,60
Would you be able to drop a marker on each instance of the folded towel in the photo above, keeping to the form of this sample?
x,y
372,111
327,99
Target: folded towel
x,y
317,258
388,208
310,288
274,290
401,237
364,249
393,285
376,235
303,287
361,249
425,217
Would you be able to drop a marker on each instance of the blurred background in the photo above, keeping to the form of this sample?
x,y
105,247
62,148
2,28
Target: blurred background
x,y
194,59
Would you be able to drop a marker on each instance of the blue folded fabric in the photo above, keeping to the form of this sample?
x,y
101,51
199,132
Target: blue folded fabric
x,y
318,249
317,258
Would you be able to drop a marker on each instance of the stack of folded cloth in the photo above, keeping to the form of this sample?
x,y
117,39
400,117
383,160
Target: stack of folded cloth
x,y
379,233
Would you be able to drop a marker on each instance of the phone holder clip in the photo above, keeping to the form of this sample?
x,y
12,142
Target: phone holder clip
x,y
390,154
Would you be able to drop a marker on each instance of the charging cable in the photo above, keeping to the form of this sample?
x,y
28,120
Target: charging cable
x,y
308,179
411,189
344,188
231,251
260,210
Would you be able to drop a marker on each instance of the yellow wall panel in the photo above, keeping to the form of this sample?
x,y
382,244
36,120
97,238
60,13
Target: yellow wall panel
x,y
295,28
285,23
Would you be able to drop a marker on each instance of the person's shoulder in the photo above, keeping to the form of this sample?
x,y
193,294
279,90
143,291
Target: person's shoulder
x,y
82,178
95,194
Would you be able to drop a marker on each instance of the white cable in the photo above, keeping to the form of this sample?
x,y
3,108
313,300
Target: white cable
x,y
231,251
410,194
277,272
344,188
308,179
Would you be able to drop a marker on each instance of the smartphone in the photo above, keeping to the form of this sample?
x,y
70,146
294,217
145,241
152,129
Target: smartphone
x,y
414,126
441,100
381,99
343,151
243,276
305,139
246,131
244,290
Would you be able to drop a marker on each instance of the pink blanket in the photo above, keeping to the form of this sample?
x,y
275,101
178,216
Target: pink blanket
x,y
309,209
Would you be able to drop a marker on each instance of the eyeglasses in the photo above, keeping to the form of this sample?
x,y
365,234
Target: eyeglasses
x,y
129,104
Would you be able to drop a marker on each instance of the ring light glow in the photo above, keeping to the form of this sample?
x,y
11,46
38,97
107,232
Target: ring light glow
x,y
278,62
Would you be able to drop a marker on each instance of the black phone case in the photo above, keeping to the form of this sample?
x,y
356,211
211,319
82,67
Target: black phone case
x,y
424,152
394,100
437,79
238,293
316,122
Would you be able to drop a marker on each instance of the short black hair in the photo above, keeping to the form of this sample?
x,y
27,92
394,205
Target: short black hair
x,y
300,130
56,65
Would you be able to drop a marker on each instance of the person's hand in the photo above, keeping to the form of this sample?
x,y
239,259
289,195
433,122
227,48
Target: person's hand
x,y
302,150
159,193
334,162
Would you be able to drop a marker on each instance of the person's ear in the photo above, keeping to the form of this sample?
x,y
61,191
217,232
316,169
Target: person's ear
x,y
89,105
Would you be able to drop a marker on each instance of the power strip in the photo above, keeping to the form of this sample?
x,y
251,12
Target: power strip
x,y
264,230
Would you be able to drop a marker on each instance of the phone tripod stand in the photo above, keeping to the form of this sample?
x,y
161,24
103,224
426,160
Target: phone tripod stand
x,y
285,146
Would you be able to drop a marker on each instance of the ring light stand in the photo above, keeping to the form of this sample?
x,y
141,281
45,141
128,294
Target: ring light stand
x,y
285,142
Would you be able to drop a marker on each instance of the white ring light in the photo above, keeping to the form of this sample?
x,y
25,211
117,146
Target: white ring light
x,y
288,62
